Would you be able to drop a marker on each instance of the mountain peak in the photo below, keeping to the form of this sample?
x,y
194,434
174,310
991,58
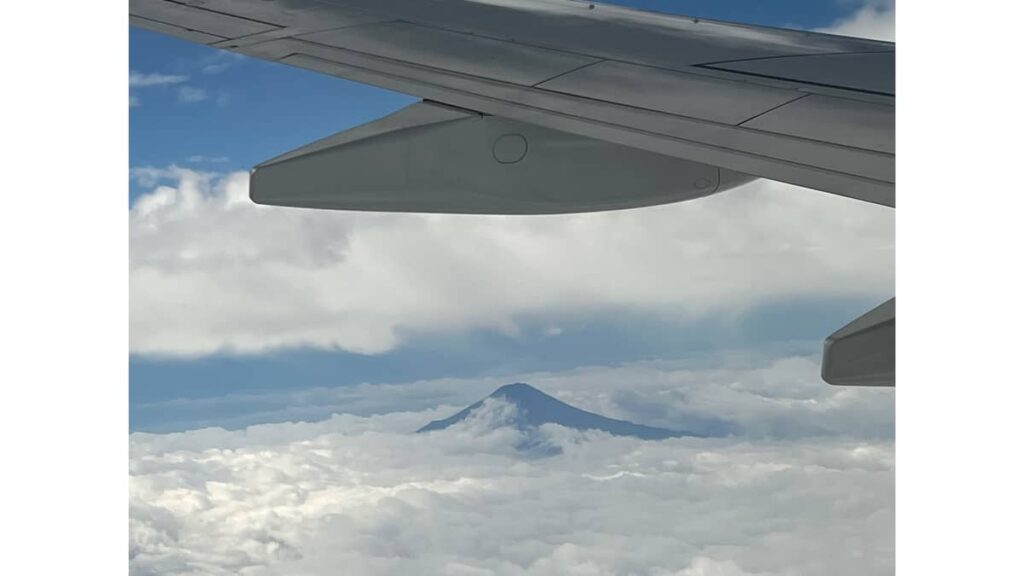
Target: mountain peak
x,y
517,390
535,408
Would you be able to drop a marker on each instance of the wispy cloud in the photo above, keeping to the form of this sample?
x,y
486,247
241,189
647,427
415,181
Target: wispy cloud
x,y
215,68
191,94
140,80
219,62
200,159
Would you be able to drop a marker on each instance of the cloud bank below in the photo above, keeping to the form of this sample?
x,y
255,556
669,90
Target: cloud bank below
x,y
802,484
366,495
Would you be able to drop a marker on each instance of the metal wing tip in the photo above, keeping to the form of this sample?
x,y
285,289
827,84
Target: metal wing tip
x,y
863,353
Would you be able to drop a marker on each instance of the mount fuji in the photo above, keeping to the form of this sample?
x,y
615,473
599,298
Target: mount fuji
x,y
534,408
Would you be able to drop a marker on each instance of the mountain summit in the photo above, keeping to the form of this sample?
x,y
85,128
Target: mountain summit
x,y
534,408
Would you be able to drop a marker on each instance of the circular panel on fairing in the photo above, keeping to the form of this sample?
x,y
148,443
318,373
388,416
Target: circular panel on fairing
x,y
509,148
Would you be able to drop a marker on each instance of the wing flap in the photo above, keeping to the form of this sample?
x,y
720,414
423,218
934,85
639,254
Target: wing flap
x,y
672,92
433,158
871,72
861,125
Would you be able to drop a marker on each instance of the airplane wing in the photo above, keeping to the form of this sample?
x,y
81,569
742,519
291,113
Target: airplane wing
x,y
553,106
810,109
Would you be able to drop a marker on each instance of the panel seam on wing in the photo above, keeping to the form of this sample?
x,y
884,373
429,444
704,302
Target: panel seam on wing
x,y
783,56
772,109
594,121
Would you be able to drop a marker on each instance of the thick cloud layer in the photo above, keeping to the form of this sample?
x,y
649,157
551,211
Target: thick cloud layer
x,y
210,271
464,501
804,484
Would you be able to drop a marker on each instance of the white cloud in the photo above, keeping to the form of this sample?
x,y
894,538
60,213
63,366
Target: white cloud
x,y
876,20
200,159
190,94
210,271
140,80
219,62
363,495
216,68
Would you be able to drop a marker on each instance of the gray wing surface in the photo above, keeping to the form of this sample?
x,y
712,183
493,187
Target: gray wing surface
x,y
811,109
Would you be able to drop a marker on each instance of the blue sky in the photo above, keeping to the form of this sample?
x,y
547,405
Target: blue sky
x,y
214,113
